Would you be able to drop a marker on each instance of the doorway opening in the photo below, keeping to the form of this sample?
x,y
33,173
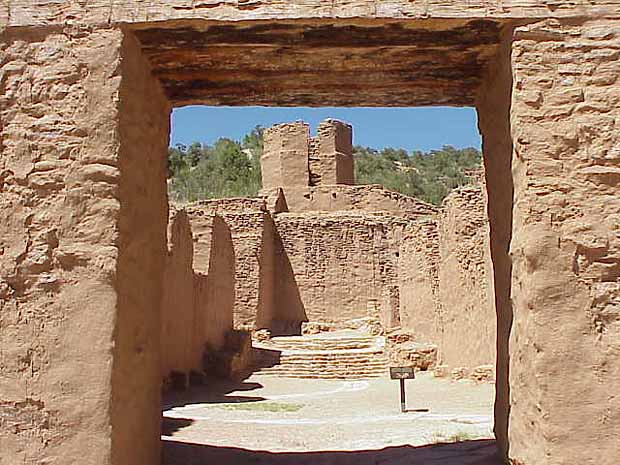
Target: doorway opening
x,y
348,259
335,63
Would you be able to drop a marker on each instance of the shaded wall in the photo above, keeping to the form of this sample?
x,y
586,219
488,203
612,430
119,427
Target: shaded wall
x,y
466,292
418,278
245,218
343,264
197,306
217,306
445,280
143,130
178,312
494,106
281,310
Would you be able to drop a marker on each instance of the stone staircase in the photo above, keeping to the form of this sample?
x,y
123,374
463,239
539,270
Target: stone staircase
x,y
344,354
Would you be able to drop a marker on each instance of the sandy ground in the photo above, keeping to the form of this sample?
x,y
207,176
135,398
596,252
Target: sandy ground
x,y
275,420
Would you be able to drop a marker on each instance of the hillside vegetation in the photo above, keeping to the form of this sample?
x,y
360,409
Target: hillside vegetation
x,y
231,168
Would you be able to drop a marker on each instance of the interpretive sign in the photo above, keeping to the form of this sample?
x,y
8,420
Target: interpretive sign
x,y
402,373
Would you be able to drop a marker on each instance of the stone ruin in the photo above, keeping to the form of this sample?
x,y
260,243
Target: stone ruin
x,y
314,254
86,91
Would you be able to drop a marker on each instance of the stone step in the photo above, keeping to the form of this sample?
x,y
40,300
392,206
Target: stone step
x,y
316,368
317,352
324,368
319,345
330,340
335,355
321,372
332,360
314,375
329,366
332,355
323,363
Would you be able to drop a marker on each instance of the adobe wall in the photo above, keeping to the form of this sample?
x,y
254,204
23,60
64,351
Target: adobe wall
x,y
363,198
178,314
79,288
58,231
24,13
284,161
466,289
82,167
215,293
245,219
494,123
197,307
565,339
143,129
293,160
418,280
330,157
343,264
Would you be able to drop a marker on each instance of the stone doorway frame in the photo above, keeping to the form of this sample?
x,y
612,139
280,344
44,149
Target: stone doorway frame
x,y
83,132
491,96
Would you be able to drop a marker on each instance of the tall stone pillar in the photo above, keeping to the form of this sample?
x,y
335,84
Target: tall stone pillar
x,y
335,152
285,156
83,211
565,339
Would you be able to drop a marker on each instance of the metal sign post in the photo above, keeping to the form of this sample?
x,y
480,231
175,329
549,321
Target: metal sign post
x,y
402,395
401,374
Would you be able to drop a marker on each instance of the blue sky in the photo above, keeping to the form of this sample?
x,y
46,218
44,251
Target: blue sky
x,y
409,128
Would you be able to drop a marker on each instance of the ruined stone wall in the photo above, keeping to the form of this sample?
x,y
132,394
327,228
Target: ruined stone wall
x,y
284,161
564,346
292,159
76,344
263,296
197,307
77,179
331,154
178,315
465,280
418,278
445,280
59,213
214,297
246,220
343,265
364,198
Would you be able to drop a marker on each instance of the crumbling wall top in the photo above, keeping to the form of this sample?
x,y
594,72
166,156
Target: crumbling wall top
x,y
228,205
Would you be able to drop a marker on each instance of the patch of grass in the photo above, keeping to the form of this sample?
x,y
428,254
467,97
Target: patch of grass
x,y
459,436
274,407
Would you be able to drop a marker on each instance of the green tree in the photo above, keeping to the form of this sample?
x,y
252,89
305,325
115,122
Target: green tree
x,y
427,176
231,168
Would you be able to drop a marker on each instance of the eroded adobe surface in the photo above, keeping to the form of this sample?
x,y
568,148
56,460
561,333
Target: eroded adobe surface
x,y
83,214
565,246
83,134
333,253
198,295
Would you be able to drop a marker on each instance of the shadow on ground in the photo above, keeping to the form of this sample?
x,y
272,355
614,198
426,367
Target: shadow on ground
x,y
215,391
169,426
480,452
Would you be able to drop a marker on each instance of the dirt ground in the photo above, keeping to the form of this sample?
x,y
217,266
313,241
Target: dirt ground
x,y
266,420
